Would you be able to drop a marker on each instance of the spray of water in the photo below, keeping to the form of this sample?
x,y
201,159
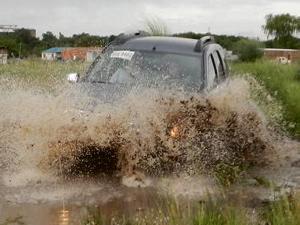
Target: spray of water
x,y
153,131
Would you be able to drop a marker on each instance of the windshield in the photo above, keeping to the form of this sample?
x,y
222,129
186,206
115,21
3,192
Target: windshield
x,y
146,67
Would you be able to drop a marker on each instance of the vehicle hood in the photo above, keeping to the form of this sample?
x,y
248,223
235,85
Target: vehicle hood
x,y
86,96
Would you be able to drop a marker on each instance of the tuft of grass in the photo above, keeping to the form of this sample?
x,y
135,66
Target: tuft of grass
x,y
156,27
283,84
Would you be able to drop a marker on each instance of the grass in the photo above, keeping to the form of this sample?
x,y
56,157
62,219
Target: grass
x,y
283,84
173,212
284,211
156,27
37,73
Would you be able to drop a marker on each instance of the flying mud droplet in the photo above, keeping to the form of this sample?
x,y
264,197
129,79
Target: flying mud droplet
x,y
151,132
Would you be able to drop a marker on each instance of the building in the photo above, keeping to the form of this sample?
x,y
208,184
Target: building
x,y
81,54
53,54
69,54
282,55
92,54
3,55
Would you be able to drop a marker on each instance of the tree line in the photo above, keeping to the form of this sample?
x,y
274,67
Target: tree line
x,y
21,42
283,28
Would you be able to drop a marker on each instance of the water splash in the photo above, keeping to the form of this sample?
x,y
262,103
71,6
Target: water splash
x,y
153,131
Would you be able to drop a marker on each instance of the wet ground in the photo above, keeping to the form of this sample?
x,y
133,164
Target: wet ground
x,y
69,202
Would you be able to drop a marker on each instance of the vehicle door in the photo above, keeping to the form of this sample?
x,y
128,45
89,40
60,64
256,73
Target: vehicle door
x,y
211,74
219,58
215,66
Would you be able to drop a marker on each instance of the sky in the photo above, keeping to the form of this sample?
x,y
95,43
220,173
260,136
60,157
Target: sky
x,y
101,17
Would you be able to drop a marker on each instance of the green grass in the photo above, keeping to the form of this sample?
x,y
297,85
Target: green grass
x,y
172,212
285,211
37,73
282,82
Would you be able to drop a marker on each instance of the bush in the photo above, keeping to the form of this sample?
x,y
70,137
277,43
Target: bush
x,y
248,50
282,84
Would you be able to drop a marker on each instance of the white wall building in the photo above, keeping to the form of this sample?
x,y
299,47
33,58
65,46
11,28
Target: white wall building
x,y
52,54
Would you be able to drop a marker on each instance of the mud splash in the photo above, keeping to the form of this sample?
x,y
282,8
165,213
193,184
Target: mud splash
x,y
152,132
59,156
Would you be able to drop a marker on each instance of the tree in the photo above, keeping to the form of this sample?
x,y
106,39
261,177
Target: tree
x,y
226,41
64,41
87,40
21,41
10,44
248,50
49,39
283,27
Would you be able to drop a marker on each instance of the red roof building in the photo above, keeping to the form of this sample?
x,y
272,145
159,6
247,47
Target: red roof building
x,y
79,53
292,55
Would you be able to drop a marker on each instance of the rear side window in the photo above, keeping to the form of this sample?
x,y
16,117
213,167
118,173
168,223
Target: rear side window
x,y
219,62
211,72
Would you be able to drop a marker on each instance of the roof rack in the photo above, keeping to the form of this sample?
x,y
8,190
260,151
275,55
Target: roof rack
x,y
202,42
122,38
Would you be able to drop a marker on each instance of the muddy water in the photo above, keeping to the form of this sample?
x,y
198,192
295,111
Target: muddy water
x,y
67,203
65,152
70,202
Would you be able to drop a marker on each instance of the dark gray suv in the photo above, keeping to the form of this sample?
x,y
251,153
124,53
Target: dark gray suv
x,y
150,60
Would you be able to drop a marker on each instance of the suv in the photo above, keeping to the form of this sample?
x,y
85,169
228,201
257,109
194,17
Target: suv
x,y
138,61
151,60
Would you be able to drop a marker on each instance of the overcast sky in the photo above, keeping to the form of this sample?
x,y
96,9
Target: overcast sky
x,y
101,17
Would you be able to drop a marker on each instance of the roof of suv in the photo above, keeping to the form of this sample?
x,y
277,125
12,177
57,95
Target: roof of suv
x,y
161,44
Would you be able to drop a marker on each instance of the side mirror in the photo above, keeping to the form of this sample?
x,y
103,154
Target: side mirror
x,y
73,77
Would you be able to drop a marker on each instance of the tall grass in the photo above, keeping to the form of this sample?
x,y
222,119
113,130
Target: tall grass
x,y
37,73
285,211
156,27
172,212
282,82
